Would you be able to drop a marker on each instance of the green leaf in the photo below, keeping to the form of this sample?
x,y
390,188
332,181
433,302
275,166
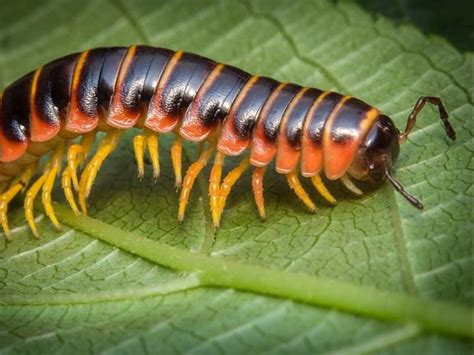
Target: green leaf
x,y
71,292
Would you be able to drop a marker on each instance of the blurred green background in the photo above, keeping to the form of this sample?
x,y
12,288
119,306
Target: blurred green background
x,y
451,19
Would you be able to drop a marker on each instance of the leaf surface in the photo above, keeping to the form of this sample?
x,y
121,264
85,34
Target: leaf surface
x,y
79,294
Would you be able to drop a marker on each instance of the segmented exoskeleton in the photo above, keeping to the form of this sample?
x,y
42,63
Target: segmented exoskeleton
x,y
159,91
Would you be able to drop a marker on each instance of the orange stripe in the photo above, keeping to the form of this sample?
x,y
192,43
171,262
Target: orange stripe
x,y
118,115
263,150
339,156
77,121
311,155
10,150
229,142
40,129
287,156
192,128
156,119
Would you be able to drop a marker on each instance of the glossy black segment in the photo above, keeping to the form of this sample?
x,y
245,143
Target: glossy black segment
x,y
246,114
161,57
16,109
185,80
55,80
53,88
134,78
220,95
320,116
346,124
272,121
295,122
380,149
87,90
109,73
382,138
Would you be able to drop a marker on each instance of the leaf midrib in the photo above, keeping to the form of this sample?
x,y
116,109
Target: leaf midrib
x,y
218,272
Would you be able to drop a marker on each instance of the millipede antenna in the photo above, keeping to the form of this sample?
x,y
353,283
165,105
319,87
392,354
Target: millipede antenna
x,y
443,114
398,186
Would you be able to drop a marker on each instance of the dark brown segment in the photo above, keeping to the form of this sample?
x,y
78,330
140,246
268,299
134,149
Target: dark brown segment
x,y
320,115
16,109
246,114
108,75
59,73
295,122
215,103
53,88
134,79
382,138
161,57
183,83
346,124
345,128
87,90
275,113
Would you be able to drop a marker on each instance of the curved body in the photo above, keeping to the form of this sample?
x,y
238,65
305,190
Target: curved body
x,y
164,90
305,130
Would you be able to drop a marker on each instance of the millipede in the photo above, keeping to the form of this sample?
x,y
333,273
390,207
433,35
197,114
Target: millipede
x,y
320,135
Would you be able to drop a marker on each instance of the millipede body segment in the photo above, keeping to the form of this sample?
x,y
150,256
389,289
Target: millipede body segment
x,y
306,131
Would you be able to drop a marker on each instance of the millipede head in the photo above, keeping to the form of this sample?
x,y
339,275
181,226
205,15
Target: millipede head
x,y
382,145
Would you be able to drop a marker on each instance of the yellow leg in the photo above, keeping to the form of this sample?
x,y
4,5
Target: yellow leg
x,y
4,186
214,187
228,183
257,187
191,174
15,187
107,146
176,152
153,151
55,168
25,176
139,146
295,185
46,183
322,189
77,154
347,182
66,183
30,199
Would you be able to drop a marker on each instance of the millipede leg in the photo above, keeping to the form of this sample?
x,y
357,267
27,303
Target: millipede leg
x,y
257,187
139,146
296,186
76,155
107,146
176,152
5,199
153,151
322,189
191,174
30,199
15,187
25,177
44,182
55,167
347,182
214,186
66,183
228,183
